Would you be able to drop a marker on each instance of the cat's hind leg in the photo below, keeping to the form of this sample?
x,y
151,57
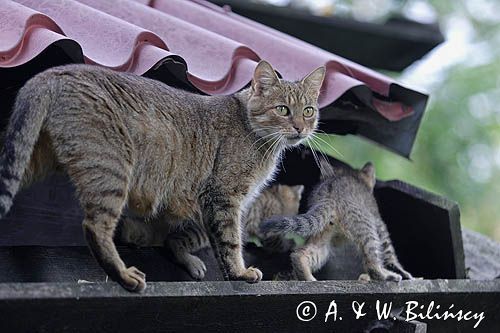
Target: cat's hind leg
x,y
366,236
103,207
390,259
101,170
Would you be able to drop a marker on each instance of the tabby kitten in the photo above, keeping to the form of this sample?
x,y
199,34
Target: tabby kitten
x,y
126,140
276,200
342,205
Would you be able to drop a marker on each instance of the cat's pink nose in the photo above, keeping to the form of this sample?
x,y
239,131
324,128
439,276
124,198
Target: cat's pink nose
x,y
299,129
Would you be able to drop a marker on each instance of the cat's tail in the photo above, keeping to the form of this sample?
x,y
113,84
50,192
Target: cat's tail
x,y
304,225
28,115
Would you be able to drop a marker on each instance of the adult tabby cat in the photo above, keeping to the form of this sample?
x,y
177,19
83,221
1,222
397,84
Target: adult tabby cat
x,y
128,140
276,200
341,206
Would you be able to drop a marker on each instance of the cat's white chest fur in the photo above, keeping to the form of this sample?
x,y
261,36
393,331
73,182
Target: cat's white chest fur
x,y
263,179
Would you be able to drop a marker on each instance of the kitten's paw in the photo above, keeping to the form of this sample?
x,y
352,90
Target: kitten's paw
x,y
393,277
251,275
363,277
399,270
382,274
196,268
133,279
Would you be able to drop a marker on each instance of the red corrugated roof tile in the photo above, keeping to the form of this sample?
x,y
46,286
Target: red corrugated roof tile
x,y
218,48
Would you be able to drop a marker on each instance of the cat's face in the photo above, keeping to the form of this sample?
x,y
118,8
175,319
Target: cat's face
x,y
283,111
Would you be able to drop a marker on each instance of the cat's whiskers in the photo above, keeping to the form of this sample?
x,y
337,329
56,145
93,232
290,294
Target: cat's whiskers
x,y
323,155
256,131
265,137
315,157
316,136
281,159
281,145
270,137
318,131
317,147
271,149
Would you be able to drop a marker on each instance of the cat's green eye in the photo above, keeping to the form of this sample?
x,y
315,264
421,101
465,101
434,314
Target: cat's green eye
x,y
282,110
308,112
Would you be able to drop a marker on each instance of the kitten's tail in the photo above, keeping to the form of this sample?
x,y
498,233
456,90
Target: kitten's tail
x,y
304,225
28,115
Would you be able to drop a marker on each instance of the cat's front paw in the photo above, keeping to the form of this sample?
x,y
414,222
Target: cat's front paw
x,y
133,279
250,275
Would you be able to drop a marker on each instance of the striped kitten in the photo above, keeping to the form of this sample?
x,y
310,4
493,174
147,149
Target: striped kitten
x,y
342,205
126,140
276,200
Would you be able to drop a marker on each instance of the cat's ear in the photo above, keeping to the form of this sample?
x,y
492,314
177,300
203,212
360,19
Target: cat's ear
x,y
314,80
264,77
368,174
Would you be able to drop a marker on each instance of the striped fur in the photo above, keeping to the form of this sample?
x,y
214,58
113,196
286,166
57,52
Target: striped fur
x,y
19,140
342,205
276,200
129,141
305,225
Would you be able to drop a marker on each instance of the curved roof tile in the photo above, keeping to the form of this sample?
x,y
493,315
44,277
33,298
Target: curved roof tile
x,y
195,44
106,40
24,33
217,48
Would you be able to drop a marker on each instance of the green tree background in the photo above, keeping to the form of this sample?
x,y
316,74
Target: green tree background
x,y
457,151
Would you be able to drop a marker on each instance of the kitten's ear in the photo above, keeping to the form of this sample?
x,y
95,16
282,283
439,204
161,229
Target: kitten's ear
x,y
368,174
314,80
264,77
298,189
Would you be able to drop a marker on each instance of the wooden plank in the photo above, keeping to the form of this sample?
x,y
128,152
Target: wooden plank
x,y
425,229
230,306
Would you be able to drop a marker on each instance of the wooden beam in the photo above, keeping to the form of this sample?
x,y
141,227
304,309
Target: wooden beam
x,y
231,306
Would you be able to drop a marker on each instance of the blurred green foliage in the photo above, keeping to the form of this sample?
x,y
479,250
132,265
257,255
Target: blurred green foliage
x,y
457,152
